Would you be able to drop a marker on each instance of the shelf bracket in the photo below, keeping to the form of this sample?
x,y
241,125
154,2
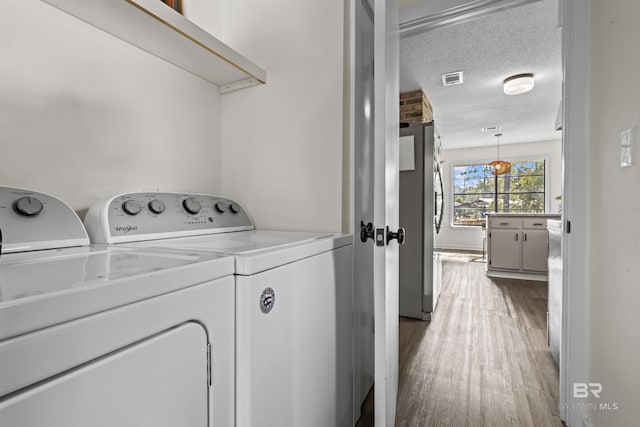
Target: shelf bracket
x,y
240,84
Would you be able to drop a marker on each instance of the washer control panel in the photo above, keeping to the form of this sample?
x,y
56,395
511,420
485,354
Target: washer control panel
x,y
148,216
33,221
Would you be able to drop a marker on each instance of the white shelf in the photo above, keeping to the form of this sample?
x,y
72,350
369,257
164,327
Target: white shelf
x,y
156,28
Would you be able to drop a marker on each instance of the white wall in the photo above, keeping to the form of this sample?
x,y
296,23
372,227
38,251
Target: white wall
x,y
207,14
614,212
451,237
84,115
282,142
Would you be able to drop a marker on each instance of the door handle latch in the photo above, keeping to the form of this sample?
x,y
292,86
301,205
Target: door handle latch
x,y
398,235
381,236
366,232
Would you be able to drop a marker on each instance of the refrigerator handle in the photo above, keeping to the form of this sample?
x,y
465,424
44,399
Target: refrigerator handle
x,y
438,217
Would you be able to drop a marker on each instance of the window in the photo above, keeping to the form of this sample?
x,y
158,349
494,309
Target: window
x,y
477,191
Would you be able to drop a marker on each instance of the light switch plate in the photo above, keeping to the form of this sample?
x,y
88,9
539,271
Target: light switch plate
x,y
627,147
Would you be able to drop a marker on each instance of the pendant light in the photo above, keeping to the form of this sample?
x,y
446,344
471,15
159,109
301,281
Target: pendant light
x,y
499,167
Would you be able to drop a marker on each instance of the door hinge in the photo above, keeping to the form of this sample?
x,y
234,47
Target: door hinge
x,y
209,363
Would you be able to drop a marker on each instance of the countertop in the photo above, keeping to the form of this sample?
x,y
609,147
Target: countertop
x,y
545,215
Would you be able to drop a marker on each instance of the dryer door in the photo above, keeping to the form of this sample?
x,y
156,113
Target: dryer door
x,y
159,381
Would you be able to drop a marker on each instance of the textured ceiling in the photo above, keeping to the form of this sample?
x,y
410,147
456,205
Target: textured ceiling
x,y
489,49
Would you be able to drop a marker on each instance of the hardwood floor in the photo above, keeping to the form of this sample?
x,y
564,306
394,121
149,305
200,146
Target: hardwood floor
x,y
482,361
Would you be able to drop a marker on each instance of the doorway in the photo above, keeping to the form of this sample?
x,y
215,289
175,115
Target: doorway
x,y
484,51
574,23
574,18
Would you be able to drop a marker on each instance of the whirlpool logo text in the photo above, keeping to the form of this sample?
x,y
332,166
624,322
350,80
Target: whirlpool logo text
x,y
126,229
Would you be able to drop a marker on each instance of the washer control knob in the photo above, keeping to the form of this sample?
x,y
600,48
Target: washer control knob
x,y
221,207
28,206
131,207
235,208
156,206
191,205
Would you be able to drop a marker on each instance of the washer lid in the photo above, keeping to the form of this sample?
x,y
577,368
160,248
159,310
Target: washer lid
x,y
260,250
39,289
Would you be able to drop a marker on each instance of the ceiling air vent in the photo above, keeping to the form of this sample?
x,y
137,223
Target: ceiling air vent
x,y
450,79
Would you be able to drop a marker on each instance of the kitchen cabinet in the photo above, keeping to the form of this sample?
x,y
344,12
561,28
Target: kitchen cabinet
x,y
157,29
534,250
517,246
504,252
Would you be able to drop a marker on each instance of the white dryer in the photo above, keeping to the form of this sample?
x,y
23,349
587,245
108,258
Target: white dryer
x,y
293,301
93,335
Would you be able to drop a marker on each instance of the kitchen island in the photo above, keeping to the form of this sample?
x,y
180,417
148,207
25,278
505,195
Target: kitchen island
x,y
518,245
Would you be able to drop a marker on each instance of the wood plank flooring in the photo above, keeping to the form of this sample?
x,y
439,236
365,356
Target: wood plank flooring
x,y
482,361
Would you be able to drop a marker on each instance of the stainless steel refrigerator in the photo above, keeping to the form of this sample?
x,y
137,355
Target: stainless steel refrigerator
x,y
421,208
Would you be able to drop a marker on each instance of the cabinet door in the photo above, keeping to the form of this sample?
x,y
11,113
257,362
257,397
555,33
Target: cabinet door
x,y
535,248
505,249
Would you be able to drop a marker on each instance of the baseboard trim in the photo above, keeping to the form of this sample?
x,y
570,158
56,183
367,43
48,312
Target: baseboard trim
x,y
460,248
512,275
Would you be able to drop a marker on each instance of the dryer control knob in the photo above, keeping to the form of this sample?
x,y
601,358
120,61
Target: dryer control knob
x,y
28,206
191,205
156,206
131,207
235,208
221,207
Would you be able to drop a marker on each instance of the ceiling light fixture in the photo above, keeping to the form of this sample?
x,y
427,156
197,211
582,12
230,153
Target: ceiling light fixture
x,y
519,83
499,167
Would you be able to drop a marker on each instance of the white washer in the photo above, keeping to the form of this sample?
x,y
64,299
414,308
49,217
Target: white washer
x,y
92,335
293,301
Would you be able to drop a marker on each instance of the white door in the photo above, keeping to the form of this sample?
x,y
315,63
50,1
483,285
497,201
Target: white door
x,y
363,313
376,201
386,213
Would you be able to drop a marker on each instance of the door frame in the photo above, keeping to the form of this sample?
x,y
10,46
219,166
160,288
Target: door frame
x,y
575,21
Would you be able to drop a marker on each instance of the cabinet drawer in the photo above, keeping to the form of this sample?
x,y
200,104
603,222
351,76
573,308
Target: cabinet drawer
x,y
505,223
534,223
